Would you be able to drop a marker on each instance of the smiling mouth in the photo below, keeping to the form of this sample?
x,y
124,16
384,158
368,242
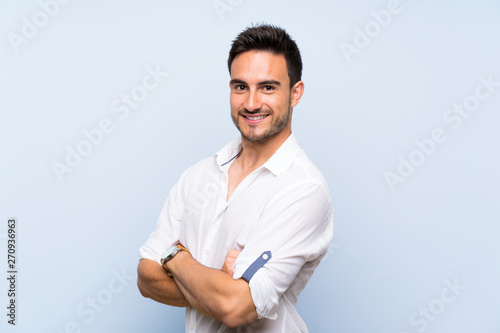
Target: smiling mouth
x,y
255,117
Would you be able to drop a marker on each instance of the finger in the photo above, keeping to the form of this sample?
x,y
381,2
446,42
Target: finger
x,y
233,253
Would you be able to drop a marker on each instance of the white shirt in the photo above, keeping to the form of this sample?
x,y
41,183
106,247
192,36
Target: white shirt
x,y
283,207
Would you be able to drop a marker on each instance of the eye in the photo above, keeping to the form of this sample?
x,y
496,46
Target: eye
x,y
239,87
268,88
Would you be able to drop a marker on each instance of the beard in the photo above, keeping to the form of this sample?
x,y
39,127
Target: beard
x,y
278,123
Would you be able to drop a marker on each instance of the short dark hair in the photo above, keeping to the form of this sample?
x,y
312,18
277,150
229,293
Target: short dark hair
x,y
265,37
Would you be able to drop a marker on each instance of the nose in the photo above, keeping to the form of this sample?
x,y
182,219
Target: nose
x,y
252,102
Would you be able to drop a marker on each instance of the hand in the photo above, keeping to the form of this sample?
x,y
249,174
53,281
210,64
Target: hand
x,y
229,261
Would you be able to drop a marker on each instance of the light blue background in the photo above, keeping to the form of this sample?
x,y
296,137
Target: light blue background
x,y
393,251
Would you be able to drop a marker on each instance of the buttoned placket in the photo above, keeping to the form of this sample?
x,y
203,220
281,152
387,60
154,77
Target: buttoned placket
x,y
222,205
220,209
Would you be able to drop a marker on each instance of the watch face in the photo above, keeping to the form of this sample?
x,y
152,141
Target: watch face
x,y
171,250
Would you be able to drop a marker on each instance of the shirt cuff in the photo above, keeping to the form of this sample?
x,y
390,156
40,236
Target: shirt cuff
x,y
263,292
147,253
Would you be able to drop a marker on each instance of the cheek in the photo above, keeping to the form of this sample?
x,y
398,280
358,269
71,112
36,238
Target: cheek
x,y
234,102
276,103
233,108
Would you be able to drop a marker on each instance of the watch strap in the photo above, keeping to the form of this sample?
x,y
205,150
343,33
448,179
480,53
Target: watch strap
x,y
164,261
183,248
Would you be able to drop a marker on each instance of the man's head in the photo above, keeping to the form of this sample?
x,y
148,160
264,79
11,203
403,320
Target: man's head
x,y
271,39
265,67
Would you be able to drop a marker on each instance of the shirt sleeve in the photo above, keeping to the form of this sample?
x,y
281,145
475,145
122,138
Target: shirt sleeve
x,y
294,231
168,227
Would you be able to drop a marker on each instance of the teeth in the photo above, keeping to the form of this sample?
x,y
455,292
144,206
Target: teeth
x,y
255,118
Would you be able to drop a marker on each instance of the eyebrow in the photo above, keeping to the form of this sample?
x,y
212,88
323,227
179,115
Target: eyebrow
x,y
262,83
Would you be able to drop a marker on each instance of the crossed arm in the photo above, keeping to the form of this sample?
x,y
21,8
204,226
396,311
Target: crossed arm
x,y
211,291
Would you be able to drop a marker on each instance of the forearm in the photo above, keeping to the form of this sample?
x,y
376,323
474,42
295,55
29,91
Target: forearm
x,y
154,283
213,292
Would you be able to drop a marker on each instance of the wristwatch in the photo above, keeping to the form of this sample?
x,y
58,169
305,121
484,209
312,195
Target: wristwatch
x,y
169,255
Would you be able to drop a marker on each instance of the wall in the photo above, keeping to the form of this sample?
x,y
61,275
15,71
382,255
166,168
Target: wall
x,y
104,104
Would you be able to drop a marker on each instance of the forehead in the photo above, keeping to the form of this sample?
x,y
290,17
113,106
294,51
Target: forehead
x,y
259,65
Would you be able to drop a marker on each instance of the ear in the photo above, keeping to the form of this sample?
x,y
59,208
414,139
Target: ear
x,y
296,93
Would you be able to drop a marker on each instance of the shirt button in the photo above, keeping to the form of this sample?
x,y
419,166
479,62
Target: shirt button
x,y
219,216
192,326
265,256
207,251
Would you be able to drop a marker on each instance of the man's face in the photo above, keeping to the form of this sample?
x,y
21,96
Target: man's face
x,y
261,105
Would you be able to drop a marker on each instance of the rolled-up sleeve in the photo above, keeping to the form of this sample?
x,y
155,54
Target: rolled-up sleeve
x,y
296,226
168,227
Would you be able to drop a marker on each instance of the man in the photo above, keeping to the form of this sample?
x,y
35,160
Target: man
x,y
242,231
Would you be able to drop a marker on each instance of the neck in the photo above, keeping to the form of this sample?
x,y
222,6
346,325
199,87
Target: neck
x,y
254,154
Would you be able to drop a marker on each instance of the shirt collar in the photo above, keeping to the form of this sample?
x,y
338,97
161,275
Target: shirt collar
x,y
279,162
229,152
283,157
